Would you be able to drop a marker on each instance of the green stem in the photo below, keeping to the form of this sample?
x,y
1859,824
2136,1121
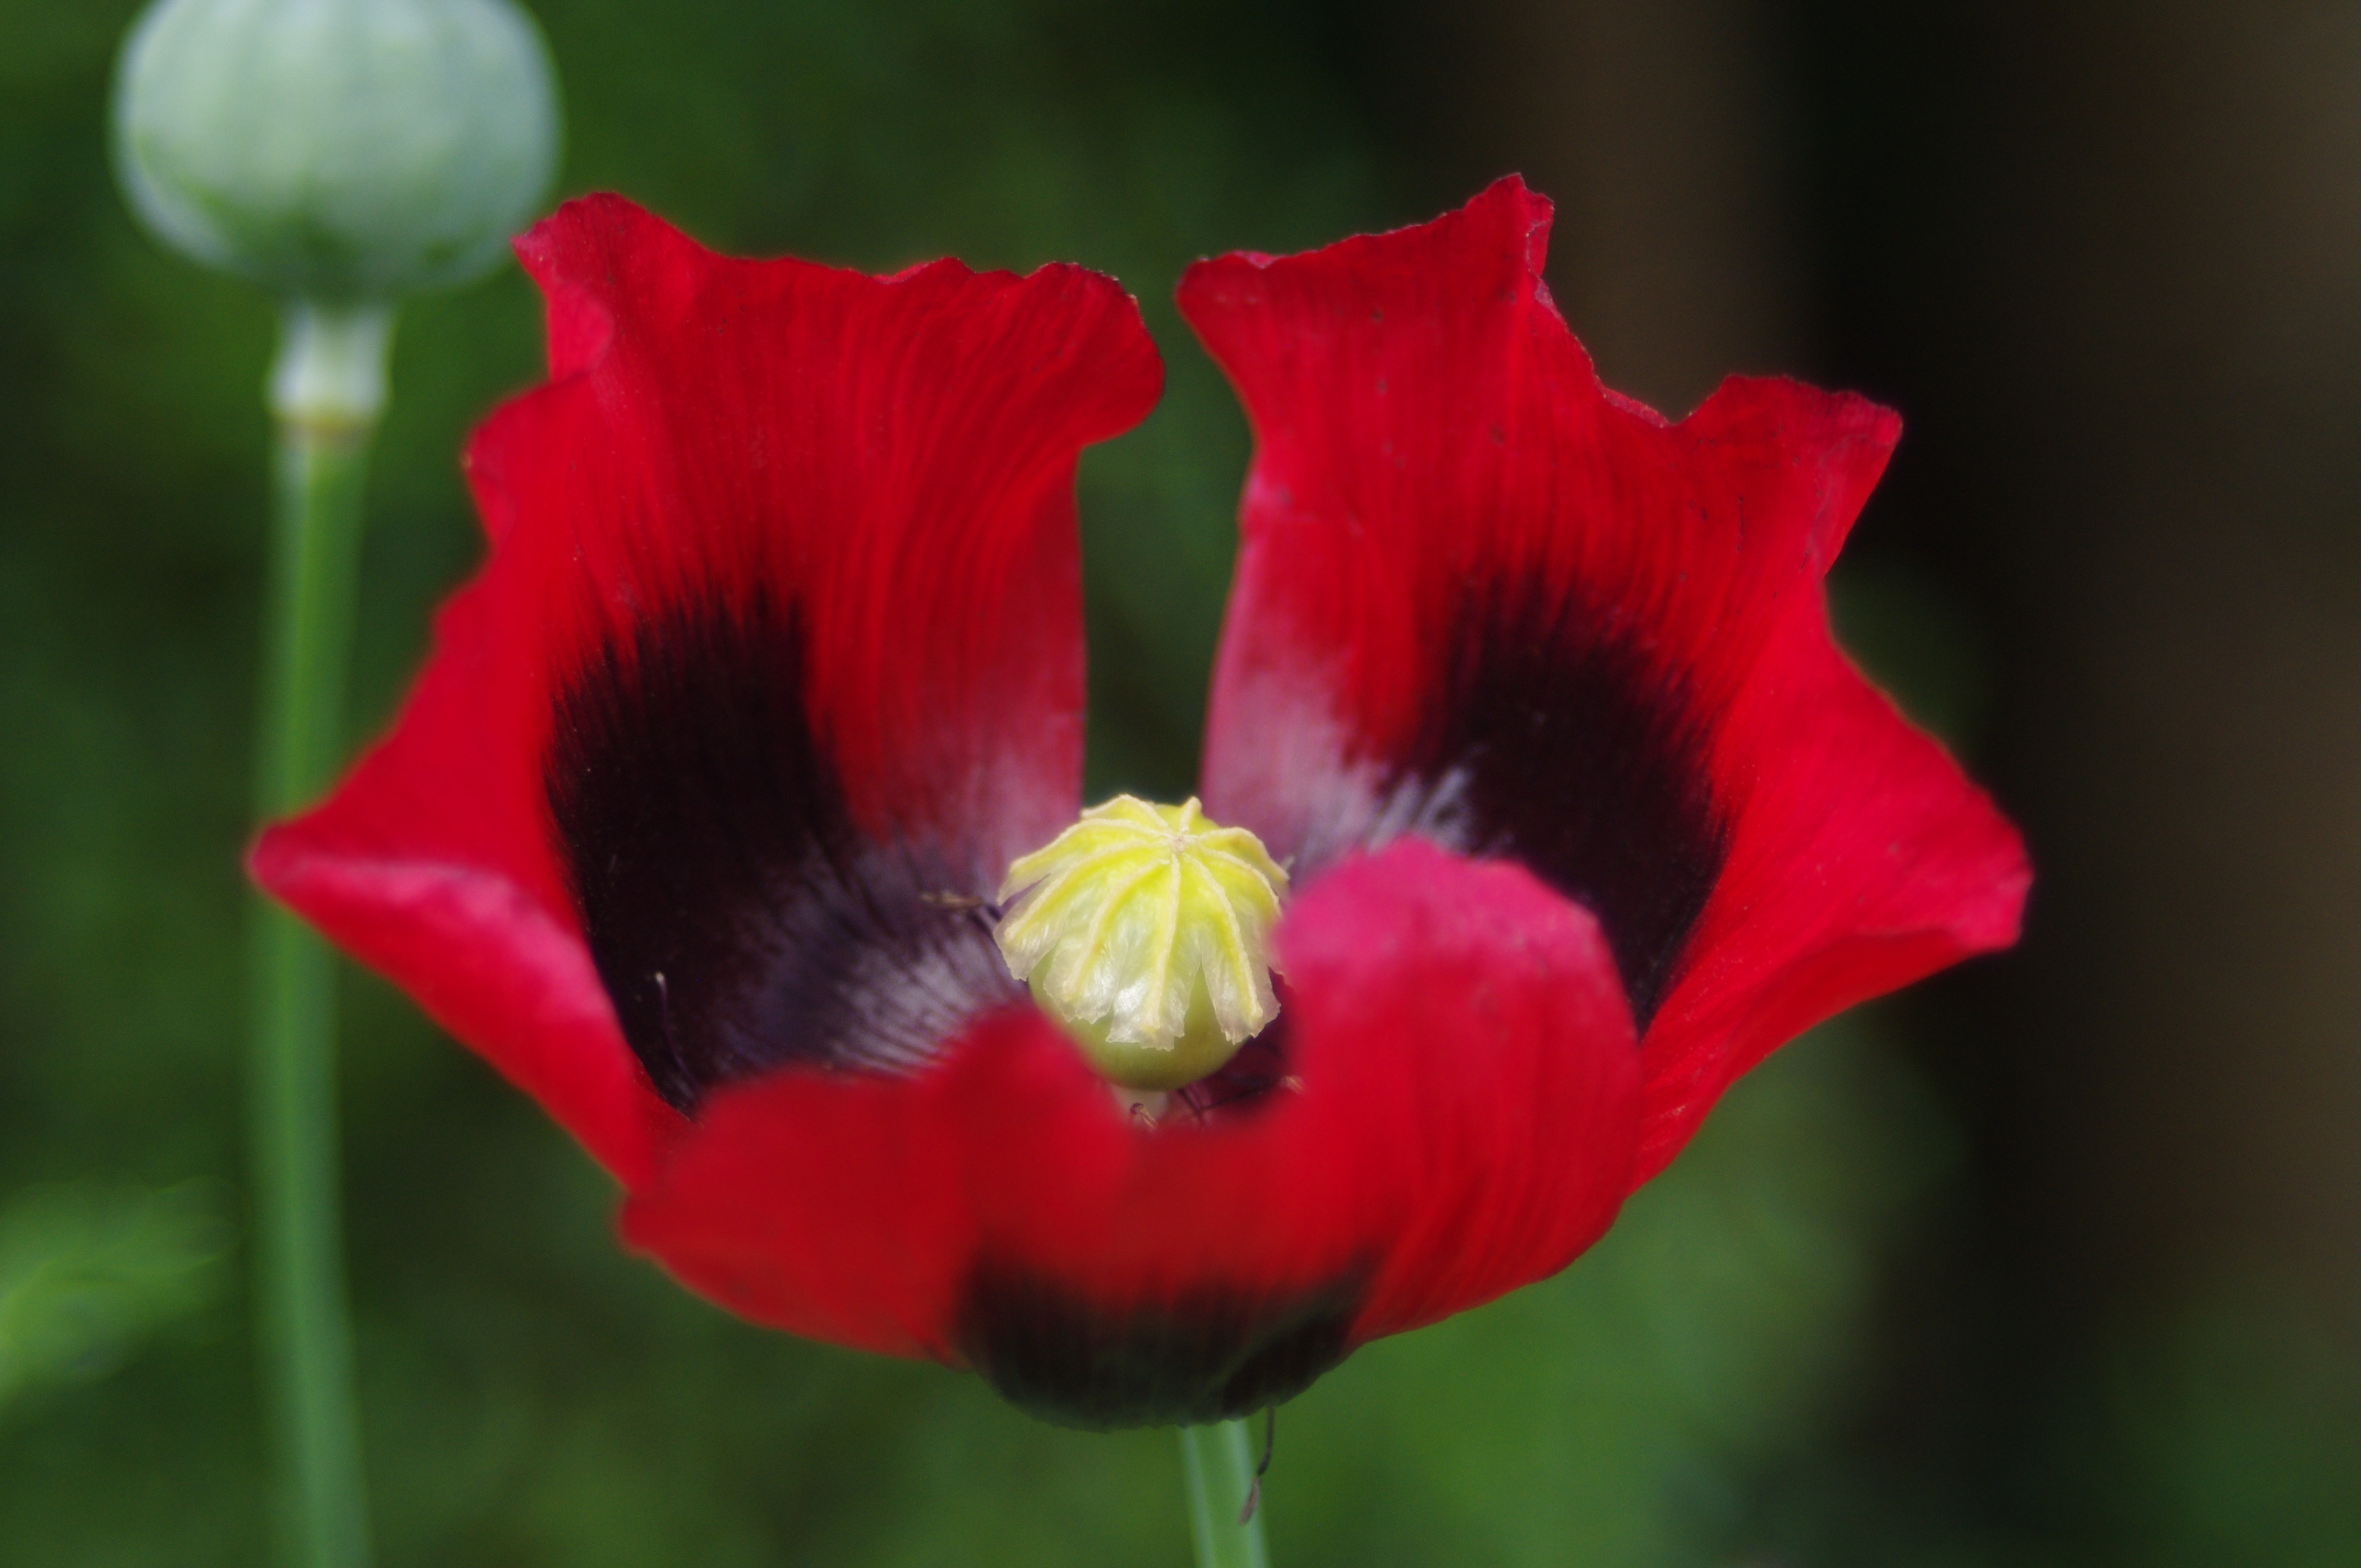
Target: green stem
x,y
1219,1462
326,389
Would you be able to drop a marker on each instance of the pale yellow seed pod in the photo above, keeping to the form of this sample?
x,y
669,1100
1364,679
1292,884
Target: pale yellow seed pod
x,y
1145,931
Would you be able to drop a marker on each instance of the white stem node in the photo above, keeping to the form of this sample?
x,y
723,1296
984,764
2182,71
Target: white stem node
x,y
330,374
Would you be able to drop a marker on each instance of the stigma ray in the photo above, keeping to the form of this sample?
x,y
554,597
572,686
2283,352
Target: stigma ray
x,y
1145,931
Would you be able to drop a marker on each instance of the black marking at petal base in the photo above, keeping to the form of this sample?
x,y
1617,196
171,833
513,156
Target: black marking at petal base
x,y
1558,740
1210,1356
738,917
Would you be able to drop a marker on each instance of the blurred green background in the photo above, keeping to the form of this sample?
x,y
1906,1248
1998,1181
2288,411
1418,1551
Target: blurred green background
x,y
2050,1262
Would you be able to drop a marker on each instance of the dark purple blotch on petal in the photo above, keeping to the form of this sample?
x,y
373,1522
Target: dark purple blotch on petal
x,y
1210,1355
1555,740
738,918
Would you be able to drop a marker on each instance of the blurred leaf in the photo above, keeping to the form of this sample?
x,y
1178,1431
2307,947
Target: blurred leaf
x,y
87,1273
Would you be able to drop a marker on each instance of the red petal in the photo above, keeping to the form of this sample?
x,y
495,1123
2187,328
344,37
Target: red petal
x,y
880,471
1481,598
431,865
1471,1079
1467,1124
1861,860
897,453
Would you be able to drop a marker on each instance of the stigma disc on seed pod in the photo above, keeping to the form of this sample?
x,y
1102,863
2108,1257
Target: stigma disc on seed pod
x,y
1145,931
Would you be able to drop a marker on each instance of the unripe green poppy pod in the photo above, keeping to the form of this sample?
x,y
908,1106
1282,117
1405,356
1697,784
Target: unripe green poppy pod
x,y
338,150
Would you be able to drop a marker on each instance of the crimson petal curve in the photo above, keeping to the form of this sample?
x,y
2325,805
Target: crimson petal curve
x,y
1466,1123
1482,598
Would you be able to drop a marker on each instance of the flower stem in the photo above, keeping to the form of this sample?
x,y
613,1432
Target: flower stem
x,y
1219,1462
326,390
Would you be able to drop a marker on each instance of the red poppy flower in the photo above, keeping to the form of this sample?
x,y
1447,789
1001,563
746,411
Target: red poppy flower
x,y
776,665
